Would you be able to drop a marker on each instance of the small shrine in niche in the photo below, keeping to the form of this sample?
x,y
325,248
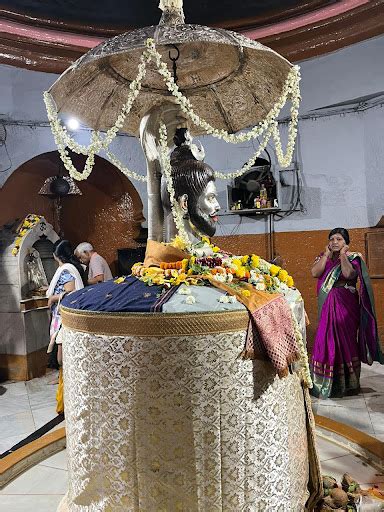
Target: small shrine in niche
x,y
27,266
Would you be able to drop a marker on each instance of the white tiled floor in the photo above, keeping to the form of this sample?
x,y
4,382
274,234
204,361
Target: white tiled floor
x,y
26,406
40,488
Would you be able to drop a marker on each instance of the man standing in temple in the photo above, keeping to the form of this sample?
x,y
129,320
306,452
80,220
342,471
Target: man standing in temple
x,y
98,268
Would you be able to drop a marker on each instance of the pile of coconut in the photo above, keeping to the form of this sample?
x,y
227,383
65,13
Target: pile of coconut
x,y
349,496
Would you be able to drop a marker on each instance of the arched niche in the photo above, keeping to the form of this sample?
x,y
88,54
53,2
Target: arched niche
x,y
108,213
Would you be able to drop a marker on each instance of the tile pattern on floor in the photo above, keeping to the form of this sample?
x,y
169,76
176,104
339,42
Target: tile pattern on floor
x,y
364,411
24,408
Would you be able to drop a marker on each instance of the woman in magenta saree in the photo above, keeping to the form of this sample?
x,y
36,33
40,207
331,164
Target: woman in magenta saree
x,y
347,331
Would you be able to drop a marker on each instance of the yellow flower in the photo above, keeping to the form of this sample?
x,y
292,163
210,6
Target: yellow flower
x,y
215,248
290,281
179,243
192,260
158,280
184,264
236,262
255,260
153,271
245,293
119,280
180,278
274,270
23,232
206,240
15,250
240,272
283,275
244,259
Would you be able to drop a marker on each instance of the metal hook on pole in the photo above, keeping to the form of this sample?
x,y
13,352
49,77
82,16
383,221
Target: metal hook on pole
x,y
174,59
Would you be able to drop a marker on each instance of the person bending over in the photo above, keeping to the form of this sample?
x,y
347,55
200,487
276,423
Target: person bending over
x,y
98,268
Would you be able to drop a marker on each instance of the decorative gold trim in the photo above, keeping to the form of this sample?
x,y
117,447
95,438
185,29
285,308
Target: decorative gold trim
x,y
154,324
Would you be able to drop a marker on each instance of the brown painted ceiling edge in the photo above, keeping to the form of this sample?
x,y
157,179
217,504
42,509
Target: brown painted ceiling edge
x,y
309,41
362,23
248,22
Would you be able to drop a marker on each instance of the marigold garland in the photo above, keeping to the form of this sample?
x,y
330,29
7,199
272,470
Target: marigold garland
x,y
25,227
207,259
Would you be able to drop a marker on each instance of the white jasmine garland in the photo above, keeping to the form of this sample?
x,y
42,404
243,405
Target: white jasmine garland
x,y
290,91
251,160
305,372
184,290
190,299
129,174
204,250
63,139
167,169
266,129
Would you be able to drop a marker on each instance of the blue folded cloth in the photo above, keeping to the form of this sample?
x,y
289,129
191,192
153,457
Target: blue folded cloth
x,y
131,295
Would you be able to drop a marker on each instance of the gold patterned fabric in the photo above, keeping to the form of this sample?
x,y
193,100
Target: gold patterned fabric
x,y
180,423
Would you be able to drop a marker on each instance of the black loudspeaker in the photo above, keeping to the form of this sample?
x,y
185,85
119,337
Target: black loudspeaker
x,y
59,186
127,257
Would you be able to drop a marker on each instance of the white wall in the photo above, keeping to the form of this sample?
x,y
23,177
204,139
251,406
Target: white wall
x,y
374,164
341,157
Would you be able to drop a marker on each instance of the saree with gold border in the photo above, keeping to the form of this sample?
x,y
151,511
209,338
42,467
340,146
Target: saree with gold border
x,y
347,332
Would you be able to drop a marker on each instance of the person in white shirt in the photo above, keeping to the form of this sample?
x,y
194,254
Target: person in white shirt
x,y
98,268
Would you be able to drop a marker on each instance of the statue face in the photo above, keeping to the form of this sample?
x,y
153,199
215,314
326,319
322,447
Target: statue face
x,y
203,214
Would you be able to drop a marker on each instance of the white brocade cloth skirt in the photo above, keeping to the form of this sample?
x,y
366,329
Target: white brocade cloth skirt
x,y
180,424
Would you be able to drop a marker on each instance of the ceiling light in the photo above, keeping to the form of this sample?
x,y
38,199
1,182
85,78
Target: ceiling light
x,y
73,124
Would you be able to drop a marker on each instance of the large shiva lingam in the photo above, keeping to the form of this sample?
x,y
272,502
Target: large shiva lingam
x,y
185,382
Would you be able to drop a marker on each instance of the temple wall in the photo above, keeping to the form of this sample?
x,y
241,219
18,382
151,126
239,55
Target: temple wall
x,y
108,213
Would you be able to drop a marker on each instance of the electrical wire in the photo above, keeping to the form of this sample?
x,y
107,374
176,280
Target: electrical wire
x,y
3,142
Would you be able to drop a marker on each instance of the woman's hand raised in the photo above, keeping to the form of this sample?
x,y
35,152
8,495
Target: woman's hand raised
x,y
344,249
